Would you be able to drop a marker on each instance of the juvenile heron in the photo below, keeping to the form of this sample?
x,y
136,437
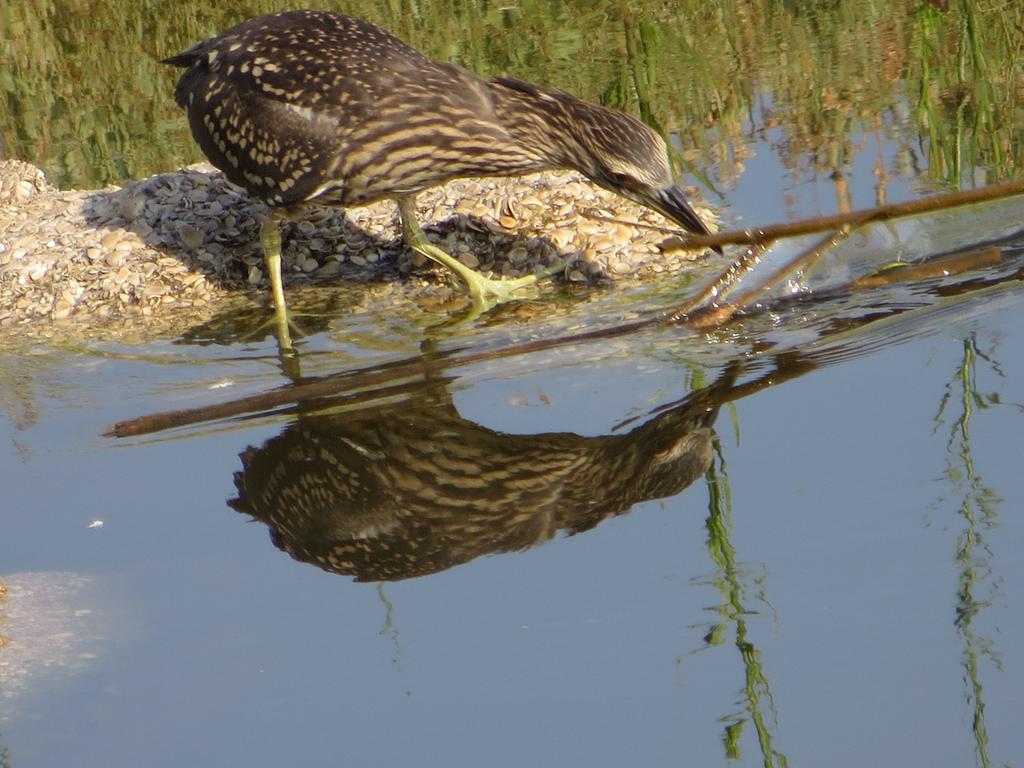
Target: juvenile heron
x,y
314,107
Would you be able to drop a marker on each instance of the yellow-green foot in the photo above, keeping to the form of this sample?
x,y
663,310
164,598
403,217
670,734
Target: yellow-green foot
x,y
485,292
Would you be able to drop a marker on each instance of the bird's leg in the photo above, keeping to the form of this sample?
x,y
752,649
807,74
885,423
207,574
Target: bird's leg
x,y
484,291
270,240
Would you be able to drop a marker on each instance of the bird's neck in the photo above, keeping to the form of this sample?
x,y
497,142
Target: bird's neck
x,y
536,118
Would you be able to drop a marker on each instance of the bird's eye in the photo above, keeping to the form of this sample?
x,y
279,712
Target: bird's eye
x,y
625,181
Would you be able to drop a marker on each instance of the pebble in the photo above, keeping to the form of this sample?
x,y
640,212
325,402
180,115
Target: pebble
x,y
191,237
131,206
330,269
142,229
111,239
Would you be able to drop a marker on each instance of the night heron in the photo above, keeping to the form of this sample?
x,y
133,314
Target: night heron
x,y
314,107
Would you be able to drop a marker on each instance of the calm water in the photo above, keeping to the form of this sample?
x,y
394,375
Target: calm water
x,y
819,564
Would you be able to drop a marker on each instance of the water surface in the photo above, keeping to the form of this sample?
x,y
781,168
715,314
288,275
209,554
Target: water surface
x,y
796,536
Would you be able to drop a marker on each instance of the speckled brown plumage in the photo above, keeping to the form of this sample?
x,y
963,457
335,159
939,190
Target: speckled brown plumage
x,y
412,488
313,106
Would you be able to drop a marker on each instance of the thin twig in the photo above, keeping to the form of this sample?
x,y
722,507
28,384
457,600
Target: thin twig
x,y
710,315
392,373
823,223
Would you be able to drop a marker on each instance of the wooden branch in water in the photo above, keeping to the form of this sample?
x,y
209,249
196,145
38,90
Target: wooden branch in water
x,y
856,218
390,374
398,376
945,266
394,377
697,313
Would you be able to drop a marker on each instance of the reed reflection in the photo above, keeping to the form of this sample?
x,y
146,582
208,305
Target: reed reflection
x,y
410,488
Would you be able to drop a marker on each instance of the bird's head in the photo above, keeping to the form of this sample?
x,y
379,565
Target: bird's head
x,y
626,157
610,147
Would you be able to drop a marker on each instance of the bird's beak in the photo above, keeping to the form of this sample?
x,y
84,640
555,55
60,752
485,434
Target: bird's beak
x,y
671,202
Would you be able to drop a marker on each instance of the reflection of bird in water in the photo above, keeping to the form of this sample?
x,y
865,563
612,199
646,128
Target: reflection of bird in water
x,y
412,488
